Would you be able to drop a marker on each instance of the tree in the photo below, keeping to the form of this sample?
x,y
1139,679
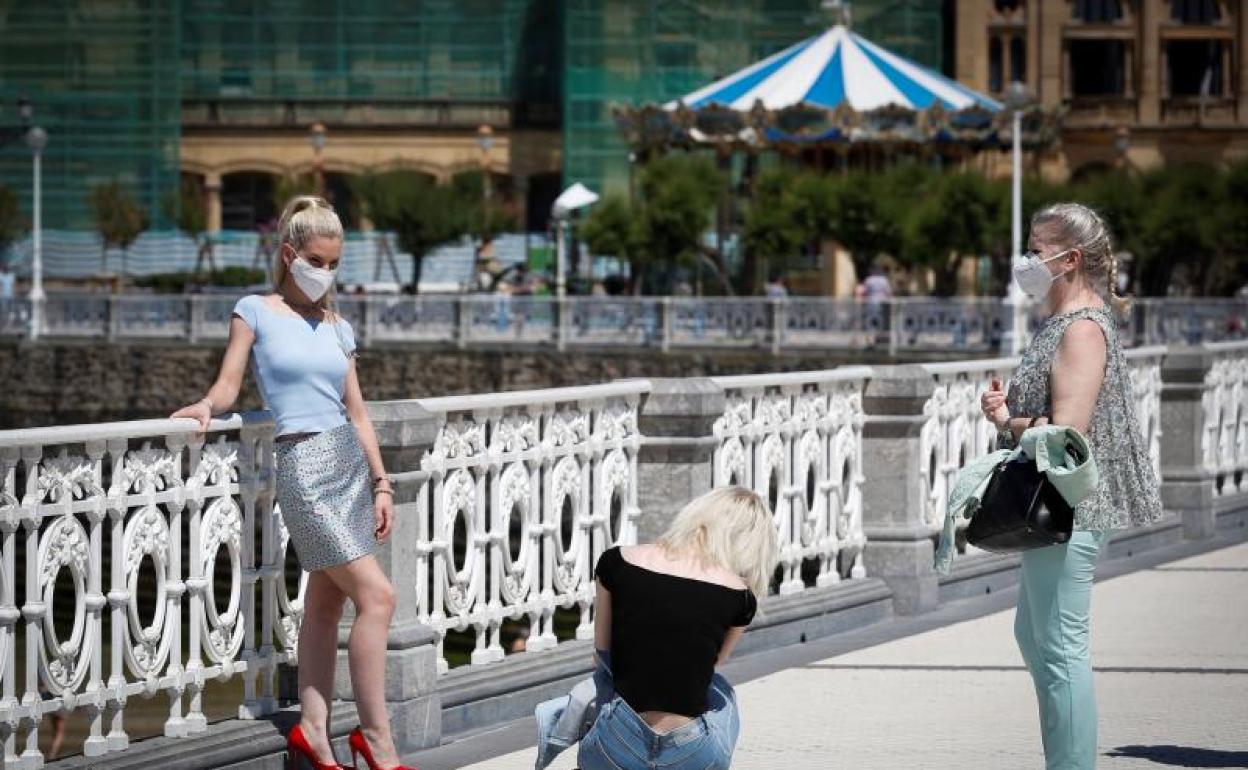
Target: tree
x,y
188,208
12,226
119,219
664,228
611,229
862,218
292,185
678,196
779,219
1232,225
486,218
422,213
953,220
1178,227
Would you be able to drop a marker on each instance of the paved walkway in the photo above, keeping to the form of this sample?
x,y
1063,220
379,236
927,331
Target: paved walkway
x,y
1170,645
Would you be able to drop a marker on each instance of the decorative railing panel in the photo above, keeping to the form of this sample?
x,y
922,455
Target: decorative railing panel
x,y
909,324
955,432
1225,401
722,322
502,319
1144,365
525,491
796,439
111,504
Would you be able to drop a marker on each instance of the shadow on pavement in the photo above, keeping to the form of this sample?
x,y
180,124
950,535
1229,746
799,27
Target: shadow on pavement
x,y
1183,756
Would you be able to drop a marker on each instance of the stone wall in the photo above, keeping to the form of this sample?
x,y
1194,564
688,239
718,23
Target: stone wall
x,y
64,383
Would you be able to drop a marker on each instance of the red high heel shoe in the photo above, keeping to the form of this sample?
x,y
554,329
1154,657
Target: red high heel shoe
x,y
297,744
360,746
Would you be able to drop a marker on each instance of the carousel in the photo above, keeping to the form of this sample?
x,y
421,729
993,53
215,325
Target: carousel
x,y
837,98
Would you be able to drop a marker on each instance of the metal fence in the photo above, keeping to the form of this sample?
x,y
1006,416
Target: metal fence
x,y
979,326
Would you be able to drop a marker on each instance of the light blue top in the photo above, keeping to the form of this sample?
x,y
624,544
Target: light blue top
x,y
301,366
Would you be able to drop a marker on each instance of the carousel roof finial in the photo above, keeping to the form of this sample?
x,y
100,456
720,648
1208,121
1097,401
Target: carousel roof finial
x,y
840,10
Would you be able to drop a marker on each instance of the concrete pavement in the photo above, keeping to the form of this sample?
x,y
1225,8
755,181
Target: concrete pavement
x,y
1170,645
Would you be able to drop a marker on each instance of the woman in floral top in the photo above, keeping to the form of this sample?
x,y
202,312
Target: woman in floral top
x,y
1073,374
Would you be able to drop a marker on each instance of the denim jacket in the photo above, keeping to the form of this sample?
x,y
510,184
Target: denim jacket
x,y
562,721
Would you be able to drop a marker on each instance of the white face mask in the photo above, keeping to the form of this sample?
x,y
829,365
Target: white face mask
x,y
312,281
1033,277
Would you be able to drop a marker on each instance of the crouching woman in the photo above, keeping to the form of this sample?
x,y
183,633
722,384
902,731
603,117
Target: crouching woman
x,y
666,615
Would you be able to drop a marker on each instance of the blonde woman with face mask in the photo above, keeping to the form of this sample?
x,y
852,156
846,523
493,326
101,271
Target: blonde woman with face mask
x,y
1073,374
332,488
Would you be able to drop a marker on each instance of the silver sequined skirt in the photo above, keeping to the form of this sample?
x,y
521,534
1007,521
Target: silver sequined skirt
x,y
325,498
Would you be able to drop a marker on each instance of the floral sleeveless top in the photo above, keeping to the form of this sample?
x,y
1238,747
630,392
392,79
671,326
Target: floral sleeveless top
x,y
1126,494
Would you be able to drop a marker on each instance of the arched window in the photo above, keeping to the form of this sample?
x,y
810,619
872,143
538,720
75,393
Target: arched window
x,y
1098,11
1195,11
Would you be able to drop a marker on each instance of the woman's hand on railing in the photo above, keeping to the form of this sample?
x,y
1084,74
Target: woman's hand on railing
x,y
992,403
201,410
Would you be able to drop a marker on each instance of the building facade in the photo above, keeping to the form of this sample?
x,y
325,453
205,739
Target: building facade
x,y
241,96
1142,83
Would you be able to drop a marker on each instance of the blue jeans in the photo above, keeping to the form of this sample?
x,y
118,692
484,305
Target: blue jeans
x,y
1051,627
620,740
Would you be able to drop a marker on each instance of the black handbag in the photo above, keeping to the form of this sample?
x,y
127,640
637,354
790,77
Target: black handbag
x,y
1019,510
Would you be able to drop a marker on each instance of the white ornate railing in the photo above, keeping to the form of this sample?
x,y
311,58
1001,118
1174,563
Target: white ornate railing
x,y
1225,439
912,324
525,490
111,504
955,431
796,439
1144,365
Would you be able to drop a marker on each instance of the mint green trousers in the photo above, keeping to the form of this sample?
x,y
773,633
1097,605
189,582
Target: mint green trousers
x,y
1051,627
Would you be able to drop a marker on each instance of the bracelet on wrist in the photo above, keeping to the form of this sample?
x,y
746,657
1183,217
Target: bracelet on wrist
x,y
383,492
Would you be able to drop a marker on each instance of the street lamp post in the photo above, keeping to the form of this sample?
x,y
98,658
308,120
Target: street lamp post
x,y
316,136
1017,99
37,139
485,140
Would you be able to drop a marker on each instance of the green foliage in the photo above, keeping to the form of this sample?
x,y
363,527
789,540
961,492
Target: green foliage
x,y
678,193
676,199
188,207
12,226
176,283
421,213
781,218
952,220
292,185
486,217
611,230
1178,227
119,219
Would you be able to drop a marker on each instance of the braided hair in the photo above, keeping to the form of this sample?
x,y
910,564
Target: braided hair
x,y
1076,226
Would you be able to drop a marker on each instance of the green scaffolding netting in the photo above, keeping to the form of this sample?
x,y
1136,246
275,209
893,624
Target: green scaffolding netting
x,y
103,77
621,53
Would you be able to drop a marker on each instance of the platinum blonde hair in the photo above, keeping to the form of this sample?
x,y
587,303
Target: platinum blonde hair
x,y
1076,226
730,528
306,217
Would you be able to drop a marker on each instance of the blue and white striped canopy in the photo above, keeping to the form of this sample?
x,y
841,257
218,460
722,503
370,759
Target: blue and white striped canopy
x,y
837,67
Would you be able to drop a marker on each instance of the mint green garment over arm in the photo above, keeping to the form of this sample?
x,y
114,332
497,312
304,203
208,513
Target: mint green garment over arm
x,y
1061,453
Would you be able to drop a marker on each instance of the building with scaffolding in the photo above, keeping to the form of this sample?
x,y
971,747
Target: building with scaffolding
x,y
227,92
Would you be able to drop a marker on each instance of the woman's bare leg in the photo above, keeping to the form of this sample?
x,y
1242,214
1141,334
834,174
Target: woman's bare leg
x,y
369,589
323,601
